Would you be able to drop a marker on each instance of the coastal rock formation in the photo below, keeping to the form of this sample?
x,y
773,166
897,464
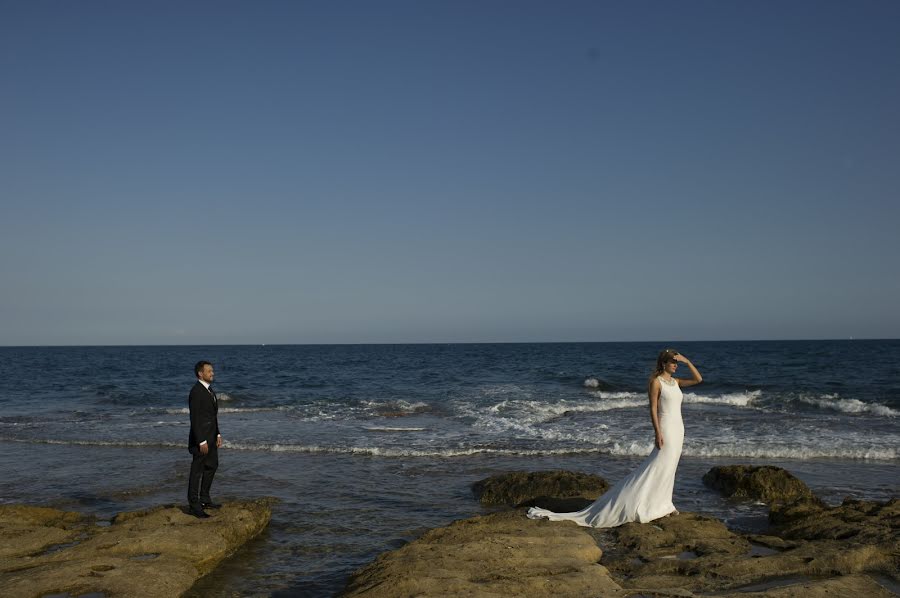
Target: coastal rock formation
x,y
560,491
765,483
858,521
811,550
700,555
503,554
155,552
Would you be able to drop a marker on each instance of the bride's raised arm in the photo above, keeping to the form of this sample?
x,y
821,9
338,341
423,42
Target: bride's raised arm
x,y
697,378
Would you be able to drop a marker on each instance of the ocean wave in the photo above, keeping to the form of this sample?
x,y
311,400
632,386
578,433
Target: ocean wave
x,y
540,411
533,411
410,452
395,408
325,410
505,427
317,449
621,394
111,443
788,452
393,429
633,449
836,403
735,399
186,411
596,384
763,451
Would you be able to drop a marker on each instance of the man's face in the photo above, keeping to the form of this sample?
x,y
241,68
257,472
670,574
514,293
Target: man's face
x,y
207,374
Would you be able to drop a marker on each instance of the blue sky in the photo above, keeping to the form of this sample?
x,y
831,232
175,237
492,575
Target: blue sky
x,y
305,172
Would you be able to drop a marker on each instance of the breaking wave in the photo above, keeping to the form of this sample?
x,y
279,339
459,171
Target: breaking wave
x,y
835,403
630,449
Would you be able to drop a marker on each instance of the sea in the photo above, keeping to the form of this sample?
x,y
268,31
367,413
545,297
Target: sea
x,y
368,446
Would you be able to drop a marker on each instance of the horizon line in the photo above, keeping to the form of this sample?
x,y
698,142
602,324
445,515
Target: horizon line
x,y
359,344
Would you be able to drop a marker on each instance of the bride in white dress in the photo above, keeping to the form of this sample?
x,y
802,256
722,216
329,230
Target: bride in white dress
x,y
646,493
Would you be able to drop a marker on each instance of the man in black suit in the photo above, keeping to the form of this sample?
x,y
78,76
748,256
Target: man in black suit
x,y
204,440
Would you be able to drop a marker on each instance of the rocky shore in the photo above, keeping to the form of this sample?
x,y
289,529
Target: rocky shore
x,y
156,552
810,549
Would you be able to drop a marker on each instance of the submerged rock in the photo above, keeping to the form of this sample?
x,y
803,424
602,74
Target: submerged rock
x,y
766,483
560,491
155,552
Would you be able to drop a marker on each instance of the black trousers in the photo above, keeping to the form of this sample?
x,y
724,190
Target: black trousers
x,y
203,468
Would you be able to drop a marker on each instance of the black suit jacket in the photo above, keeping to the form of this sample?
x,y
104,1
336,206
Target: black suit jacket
x,y
204,417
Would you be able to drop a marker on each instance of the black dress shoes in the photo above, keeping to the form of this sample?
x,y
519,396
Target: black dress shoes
x,y
198,513
211,505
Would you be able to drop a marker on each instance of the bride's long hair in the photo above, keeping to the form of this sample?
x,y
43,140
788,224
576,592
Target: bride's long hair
x,y
664,357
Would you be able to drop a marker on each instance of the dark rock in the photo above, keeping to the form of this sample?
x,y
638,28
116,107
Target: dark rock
x,y
854,521
560,491
766,483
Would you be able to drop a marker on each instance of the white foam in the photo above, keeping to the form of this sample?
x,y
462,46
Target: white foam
x,y
541,411
620,394
393,429
592,383
736,399
251,409
113,443
846,448
398,406
761,450
834,402
186,411
793,452
639,449
394,452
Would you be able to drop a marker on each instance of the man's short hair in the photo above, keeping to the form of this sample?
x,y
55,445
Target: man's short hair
x,y
199,367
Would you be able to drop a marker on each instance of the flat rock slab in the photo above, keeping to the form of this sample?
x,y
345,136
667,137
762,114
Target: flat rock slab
x,y
504,554
155,552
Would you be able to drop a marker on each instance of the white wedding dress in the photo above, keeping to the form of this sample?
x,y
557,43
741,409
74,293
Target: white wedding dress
x,y
646,493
